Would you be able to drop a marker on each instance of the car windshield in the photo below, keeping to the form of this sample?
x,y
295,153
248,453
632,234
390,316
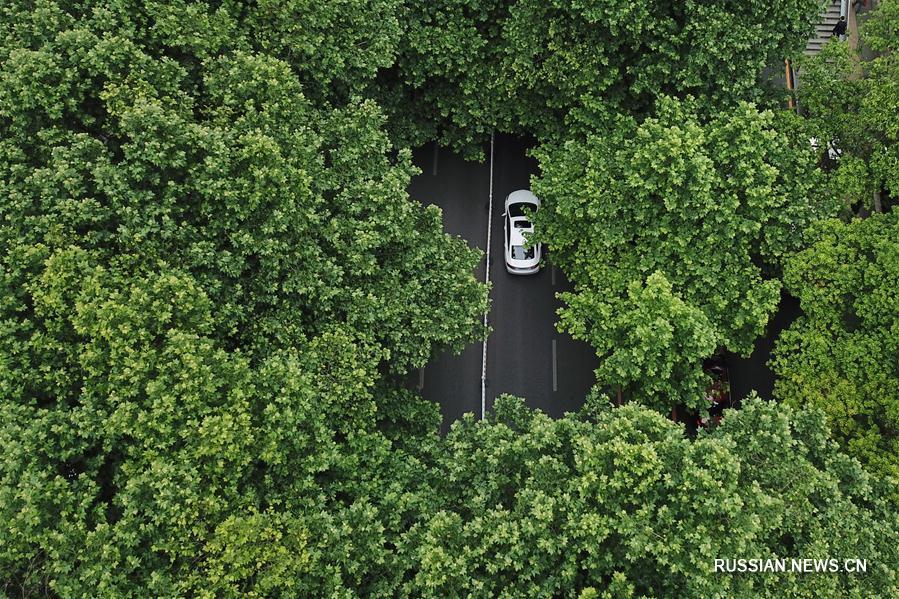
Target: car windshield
x,y
522,224
519,252
516,210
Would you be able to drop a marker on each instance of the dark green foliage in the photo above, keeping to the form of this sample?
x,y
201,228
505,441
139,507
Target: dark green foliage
x,y
290,217
710,206
851,99
212,278
175,468
336,47
627,507
204,280
470,66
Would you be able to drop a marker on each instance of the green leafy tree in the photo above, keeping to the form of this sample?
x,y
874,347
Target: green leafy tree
x,y
337,47
211,274
466,67
334,48
626,506
207,285
841,354
711,206
445,83
851,100
161,464
650,346
291,217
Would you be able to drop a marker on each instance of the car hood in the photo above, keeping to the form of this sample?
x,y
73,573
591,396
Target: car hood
x,y
523,196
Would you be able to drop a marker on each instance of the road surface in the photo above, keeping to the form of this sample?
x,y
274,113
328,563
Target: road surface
x,y
752,373
526,356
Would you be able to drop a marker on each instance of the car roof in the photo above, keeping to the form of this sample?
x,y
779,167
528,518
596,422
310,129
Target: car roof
x,y
516,235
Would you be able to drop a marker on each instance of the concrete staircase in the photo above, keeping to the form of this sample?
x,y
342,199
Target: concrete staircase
x,y
824,28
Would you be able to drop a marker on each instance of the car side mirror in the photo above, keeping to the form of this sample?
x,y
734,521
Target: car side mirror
x,y
503,214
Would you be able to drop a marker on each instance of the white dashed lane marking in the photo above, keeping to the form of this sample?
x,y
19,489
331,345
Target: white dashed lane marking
x,y
555,380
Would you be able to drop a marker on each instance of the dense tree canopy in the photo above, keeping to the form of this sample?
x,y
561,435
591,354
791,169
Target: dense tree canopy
x,y
153,462
850,99
842,353
649,344
335,48
212,280
711,206
205,280
468,66
625,506
290,217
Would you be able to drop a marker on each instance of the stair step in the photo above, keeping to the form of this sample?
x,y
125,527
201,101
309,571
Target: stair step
x,y
829,17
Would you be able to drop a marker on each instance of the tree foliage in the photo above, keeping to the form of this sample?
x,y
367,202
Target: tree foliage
x,y
291,217
207,286
841,354
465,67
851,100
174,467
334,48
711,206
626,506
212,277
649,344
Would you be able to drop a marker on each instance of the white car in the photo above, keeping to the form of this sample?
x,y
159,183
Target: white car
x,y
520,260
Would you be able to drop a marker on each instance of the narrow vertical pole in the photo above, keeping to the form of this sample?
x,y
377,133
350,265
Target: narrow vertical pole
x,y
789,78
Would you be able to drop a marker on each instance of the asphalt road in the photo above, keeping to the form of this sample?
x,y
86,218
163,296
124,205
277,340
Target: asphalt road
x,y
526,356
752,373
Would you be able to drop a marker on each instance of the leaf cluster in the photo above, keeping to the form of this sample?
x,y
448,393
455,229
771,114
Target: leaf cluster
x,y
626,506
841,354
465,67
850,99
710,207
